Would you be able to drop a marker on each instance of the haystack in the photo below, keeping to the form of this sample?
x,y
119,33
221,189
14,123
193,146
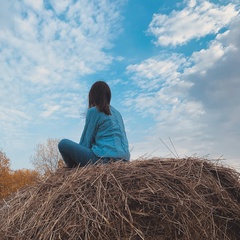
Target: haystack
x,y
143,199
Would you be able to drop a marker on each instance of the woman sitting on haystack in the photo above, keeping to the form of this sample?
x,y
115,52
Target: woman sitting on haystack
x,y
104,138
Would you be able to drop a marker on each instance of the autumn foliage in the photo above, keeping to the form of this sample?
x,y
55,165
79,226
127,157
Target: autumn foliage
x,y
46,161
11,181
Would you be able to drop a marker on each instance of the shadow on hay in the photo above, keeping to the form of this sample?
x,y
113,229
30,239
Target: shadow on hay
x,y
143,199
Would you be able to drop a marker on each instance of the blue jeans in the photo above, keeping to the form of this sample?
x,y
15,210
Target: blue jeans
x,y
75,154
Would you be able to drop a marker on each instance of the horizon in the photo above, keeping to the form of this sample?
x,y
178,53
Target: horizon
x,y
172,66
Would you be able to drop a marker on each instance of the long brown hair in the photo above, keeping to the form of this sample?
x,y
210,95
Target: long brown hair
x,y
100,96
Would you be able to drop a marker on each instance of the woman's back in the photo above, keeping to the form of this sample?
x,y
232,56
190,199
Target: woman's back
x,y
110,138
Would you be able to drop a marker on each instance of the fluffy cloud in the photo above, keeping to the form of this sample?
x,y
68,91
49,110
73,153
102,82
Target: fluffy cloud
x,y
163,95
46,48
168,103
218,89
152,73
215,72
197,20
200,109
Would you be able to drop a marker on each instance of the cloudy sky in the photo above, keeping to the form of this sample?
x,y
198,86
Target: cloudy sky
x,y
173,67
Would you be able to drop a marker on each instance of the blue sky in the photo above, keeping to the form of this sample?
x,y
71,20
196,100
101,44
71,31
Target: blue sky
x,y
173,67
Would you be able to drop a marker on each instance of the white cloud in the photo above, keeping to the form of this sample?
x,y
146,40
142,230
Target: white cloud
x,y
46,50
206,58
221,72
60,6
200,110
5,16
196,20
49,110
11,114
162,94
36,4
153,72
157,68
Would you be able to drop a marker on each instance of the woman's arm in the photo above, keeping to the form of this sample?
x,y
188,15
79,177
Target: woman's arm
x,y
89,131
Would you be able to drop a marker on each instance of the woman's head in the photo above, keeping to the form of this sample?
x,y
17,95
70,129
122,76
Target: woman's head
x,y
100,96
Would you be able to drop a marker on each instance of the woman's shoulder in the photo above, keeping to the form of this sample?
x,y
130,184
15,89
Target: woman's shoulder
x,y
113,109
92,111
115,112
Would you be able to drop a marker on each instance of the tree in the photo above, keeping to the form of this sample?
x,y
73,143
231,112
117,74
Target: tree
x,y
11,181
23,177
5,175
47,158
4,161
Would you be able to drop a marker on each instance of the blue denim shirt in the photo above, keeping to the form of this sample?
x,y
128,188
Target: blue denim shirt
x,y
105,134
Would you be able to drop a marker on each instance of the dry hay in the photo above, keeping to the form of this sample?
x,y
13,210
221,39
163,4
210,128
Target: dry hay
x,y
147,199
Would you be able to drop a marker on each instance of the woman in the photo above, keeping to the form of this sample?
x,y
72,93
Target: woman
x,y
104,138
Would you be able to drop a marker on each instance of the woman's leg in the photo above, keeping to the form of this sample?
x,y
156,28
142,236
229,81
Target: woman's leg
x,y
75,154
